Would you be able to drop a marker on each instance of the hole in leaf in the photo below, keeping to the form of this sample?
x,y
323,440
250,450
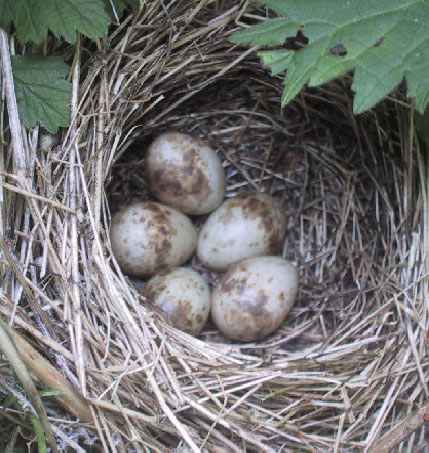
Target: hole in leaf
x,y
338,50
296,42
379,41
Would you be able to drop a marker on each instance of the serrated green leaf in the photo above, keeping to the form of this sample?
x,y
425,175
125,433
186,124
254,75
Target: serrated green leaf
x,y
384,41
29,21
67,17
334,12
417,76
300,70
278,60
269,33
43,94
64,18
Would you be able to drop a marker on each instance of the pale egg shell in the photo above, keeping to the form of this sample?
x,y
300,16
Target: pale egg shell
x,y
245,226
183,297
185,173
147,237
254,298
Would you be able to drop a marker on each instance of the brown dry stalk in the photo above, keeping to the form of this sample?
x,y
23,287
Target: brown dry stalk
x,y
8,348
69,398
402,430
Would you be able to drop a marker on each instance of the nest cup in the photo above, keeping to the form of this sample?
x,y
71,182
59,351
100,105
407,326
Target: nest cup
x,y
348,363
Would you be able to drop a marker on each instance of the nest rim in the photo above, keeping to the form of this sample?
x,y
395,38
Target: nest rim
x,y
346,386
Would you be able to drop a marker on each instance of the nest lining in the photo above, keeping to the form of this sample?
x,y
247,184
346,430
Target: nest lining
x,y
350,361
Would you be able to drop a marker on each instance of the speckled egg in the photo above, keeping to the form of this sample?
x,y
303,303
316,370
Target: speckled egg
x,y
183,297
147,237
254,297
248,225
185,173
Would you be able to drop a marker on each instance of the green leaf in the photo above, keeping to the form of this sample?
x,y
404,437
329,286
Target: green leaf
x,y
383,41
30,21
40,435
42,92
64,18
269,33
67,17
7,13
303,64
278,60
50,392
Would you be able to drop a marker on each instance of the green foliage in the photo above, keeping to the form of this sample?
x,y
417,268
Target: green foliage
x,y
383,41
42,92
7,12
40,435
64,18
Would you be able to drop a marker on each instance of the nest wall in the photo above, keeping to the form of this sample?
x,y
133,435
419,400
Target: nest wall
x,y
349,363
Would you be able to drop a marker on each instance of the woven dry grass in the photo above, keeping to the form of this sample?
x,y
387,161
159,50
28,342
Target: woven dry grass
x,y
348,366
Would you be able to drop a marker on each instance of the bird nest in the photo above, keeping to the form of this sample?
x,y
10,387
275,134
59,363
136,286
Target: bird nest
x,y
346,372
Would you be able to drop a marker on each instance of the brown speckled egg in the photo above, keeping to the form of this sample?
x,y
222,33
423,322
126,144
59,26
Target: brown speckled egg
x,y
183,297
185,173
245,226
254,298
147,237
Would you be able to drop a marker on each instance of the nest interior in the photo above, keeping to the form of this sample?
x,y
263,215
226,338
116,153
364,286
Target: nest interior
x,y
348,364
